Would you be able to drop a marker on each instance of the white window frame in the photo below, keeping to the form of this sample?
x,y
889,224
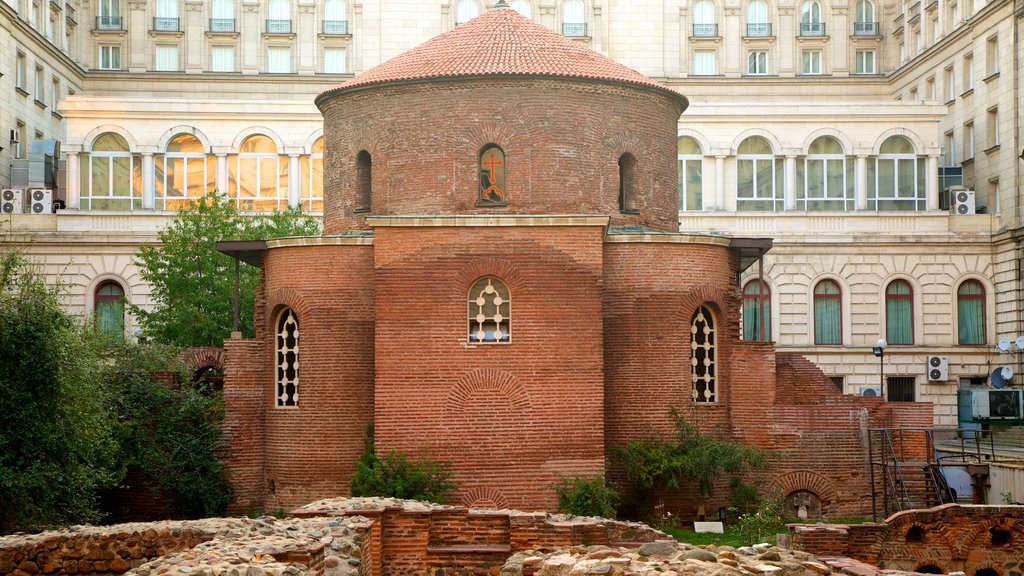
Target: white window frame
x,y
339,59
166,58
112,60
810,62
466,10
230,50
704,62
862,59
848,197
287,51
683,160
757,62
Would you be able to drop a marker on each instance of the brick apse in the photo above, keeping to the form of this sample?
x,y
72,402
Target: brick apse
x,y
502,285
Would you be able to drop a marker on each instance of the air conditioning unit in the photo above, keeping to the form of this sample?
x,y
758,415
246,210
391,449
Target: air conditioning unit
x,y
938,368
869,391
40,201
997,404
961,201
11,201
15,136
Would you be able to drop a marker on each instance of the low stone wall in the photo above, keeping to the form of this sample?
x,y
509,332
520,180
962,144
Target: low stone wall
x,y
984,540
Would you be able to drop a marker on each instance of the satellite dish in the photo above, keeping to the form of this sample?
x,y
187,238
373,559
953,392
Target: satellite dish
x,y
1004,344
1001,376
1019,343
1007,373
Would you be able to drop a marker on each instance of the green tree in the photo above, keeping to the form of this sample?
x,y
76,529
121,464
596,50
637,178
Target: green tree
x,y
193,285
56,450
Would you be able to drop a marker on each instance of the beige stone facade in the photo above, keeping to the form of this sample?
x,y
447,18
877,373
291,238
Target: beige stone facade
x,y
944,77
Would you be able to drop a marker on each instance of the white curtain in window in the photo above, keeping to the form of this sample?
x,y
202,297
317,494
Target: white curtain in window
x,y
466,11
334,60
167,58
334,10
757,12
522,6
167,9
279,10
865,11
223,9
223,59
704,62
279,59
573,12
110,8
704,12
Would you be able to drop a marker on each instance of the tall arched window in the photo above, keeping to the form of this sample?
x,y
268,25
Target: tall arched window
x,y
465,11
864,19
492,177
825,178
286,358
280,10
184,172
335,11
364,181
691,174
760,183
257,176
627,183
896,179
757,311
312,180
757,19
810,19
112,179
574,18
899,313
970,308
828,313
703,356
522,6
108,307
490,311
704,19
222,16
166,15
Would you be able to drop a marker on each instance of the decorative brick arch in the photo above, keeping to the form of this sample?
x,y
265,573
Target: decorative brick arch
x,y
812,482
485,497
488,379
501,269
969,536
277,299
203,358
714,298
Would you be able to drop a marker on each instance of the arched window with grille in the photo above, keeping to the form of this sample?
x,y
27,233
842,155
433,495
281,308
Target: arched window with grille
x,y
691,174
111,178
760,181
757,311
183,172
492,177
489,311
828,314
465,11
286,357
970,308
703,356
899,313
825,177
108,309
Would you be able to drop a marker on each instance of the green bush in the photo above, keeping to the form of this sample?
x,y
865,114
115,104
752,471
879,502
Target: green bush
x,y
396,476
586,497
759,526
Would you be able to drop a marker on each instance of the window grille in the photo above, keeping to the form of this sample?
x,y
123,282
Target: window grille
x,y
287,352
490,311
702,356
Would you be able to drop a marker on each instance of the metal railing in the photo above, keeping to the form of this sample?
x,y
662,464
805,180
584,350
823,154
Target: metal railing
x,y
222,24
574,29
108,23
759,29
163,24
336,27
812,28
865,29
279,26
705,30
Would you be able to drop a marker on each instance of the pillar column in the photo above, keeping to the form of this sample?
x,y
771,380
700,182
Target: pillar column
x,y
862,182
222,173
790,192
932,182
148,175
72,181
719,183
294,192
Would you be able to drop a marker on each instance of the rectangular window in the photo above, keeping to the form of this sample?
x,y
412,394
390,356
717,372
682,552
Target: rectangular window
x,y
993,195
949,87
223,59
913,95
704,62
899,388
811,62
968,72
166,58
757,62
837,381
334,61
110,57
54,95
691,182
949,150
20,145
39,84
865,62
279,59
968,140
20,71
992,56
992,127
935,30
902,52
929,89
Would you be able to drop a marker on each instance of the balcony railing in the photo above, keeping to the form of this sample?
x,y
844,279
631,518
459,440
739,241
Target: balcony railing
x,y
279,26
574,29
865,29
163,24
335,27
222,24
705,30
108,23
762,29
812,28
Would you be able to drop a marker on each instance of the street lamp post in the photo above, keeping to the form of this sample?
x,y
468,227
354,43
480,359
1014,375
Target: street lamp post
x,y
879,350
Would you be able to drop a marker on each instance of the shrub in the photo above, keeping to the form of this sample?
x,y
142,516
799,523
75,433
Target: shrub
x,y
756,527
396,476
586,497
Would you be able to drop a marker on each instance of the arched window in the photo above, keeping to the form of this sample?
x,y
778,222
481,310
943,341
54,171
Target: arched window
x,y
627,183
760,183
574,18
312,180
223,10
465,11
183,173
364,181
166,9
757,311
896,178
810,19
899,313
257,176
490,311
523,7
864,19
286,358
704,19
335,11
825,177
970,308
112,179
757,19
691,174
828,313
492,177
280,10
108,307
703,356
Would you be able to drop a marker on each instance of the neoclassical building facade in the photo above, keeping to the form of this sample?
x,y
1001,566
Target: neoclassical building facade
x,y
821,124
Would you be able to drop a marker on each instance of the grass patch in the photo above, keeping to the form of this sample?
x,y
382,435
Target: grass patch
x,y
731,537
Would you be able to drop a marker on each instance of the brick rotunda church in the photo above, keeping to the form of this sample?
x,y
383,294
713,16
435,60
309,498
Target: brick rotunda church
x,y
501,284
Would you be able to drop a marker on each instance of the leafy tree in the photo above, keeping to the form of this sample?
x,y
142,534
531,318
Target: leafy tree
x,y
56,450
193,284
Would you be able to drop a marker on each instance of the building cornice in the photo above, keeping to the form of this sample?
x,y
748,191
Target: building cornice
x,y
6,11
